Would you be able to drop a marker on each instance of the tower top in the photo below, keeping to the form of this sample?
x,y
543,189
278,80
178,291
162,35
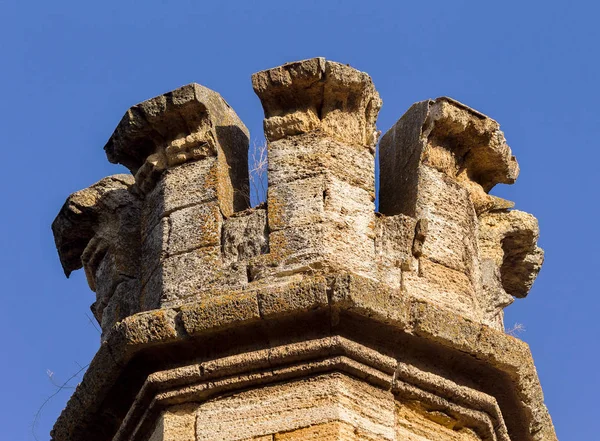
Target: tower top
x,y
310,316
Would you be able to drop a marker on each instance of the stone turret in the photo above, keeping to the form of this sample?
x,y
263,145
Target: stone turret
x,y
310,316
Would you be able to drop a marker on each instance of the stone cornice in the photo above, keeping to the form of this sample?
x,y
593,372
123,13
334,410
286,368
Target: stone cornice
x,y
198,334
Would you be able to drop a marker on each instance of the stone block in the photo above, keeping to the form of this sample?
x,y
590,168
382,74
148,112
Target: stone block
x,y
452,221
324,247
320,199
416,422
245,235
194,227
312,154
218,312
188,184
284,408
394,237
294,297
297,203
195,274
182,231
442,286
124,301
317,94
332,431
176,424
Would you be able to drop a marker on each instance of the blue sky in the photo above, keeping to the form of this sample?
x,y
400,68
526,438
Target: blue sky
x,y
70,69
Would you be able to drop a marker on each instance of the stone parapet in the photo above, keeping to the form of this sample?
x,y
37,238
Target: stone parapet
x,y
310,316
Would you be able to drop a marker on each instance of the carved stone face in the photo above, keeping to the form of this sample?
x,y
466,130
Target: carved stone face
x,y
494,297
98,229
511,259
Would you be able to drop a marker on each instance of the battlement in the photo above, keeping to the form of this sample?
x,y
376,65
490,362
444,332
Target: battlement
x,y
190,235
310,316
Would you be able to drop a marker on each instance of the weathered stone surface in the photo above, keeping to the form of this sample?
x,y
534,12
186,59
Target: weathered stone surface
x,y
394,239
98,229
290,407
245,235
443,286
176,424
315,153
509,239
494,298
426,321
438,163
317,94
179,278
219,312
451,138
293,297
320,123
190,184
188,124
310,316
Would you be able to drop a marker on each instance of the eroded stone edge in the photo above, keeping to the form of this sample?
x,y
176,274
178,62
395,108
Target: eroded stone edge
x,y
348,293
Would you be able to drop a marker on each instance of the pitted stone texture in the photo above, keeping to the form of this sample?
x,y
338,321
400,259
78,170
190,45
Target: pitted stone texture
x,y
176,332
99,228
176,424
188,150
417,424
188,124
189,184
394,238
194,274
280,410
509,239
448,251
493,298
319,199
317,94
451,221
451,138
182,231
245,235
313,154
322,247
333,431
444,287
320,123
438,163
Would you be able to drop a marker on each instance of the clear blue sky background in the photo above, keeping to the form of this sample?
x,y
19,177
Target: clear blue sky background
x,y
70,69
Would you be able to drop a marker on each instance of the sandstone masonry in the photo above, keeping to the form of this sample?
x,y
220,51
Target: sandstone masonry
x,y
310,316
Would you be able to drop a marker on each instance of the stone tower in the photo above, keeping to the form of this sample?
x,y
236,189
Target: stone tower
x,y
311,316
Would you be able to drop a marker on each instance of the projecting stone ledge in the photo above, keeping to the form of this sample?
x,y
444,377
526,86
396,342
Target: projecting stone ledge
x,y
188,124
322,95
452,139
335,329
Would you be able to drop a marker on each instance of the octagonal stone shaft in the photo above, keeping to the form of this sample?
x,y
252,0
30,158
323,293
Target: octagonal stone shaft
x,y
189,152
320,126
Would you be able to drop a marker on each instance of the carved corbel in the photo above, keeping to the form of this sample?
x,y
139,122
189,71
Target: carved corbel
x,y
98,228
